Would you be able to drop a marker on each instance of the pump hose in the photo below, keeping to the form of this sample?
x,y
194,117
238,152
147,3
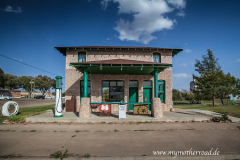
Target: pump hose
x,y
58,103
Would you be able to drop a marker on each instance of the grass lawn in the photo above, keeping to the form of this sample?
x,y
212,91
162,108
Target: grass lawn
x,y
209,102
230,110
28,112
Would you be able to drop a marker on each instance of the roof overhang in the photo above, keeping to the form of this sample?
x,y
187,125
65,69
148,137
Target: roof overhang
x,y
120,66
84,48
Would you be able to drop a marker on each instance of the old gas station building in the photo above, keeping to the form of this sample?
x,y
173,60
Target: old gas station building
x,y
114,74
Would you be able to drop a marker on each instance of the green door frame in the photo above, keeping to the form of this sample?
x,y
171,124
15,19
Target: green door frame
x,y
133,87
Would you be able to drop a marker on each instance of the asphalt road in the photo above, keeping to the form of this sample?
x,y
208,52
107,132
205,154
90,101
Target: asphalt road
x,y
29,102
120,140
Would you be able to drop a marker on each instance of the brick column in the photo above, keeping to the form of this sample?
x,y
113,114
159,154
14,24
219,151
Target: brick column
x,y
85,109
156,108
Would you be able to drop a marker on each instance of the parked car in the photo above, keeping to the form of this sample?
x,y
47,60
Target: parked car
x,y
40,97
6,97
49,97
22,96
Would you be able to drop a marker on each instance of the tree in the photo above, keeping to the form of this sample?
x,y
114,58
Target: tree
x,y
176,94
1,78
24,82
227,86
10,81
44,83
208,83
237,87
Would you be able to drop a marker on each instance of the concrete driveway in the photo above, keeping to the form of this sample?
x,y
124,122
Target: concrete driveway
x,y
29,102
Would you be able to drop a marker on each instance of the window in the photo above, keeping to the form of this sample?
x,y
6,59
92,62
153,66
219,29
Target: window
x,y
147,83
88,88
156,57
112,91
133,83
81,56
161,90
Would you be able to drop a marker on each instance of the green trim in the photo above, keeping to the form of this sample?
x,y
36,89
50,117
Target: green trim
x,y
62,50
58,116
58,88
58,77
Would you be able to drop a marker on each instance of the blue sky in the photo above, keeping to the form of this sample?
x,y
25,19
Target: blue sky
x,y
31,29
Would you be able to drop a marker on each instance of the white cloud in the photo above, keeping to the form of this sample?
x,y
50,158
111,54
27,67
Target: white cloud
x,y
186,44
10,9
184,64
181,14
191,63
18,59
182,75
177,3
188,50
238,60
104,3
149,16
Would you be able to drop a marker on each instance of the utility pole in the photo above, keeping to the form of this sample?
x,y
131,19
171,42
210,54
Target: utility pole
x,y
31,88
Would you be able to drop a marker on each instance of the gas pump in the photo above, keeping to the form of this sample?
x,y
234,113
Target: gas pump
x,y
58,105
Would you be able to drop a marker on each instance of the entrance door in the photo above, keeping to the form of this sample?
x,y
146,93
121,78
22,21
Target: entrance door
x,y
147,96
133,97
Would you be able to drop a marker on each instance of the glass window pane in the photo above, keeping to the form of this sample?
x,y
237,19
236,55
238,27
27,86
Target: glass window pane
x,y
89,92
113,83
133,83
116,94
81,91
156,58
147,83
105,83
161,96
89,83
161,86
105,94
82,83
82,57
120,83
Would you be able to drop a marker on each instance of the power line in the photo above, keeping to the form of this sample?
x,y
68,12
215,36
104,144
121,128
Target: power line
x,y
32,29
28,65
23,37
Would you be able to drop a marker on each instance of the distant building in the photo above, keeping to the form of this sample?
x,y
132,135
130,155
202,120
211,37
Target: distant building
x,y
192,84
15,94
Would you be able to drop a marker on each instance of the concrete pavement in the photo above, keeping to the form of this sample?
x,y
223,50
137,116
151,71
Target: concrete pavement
x,y
119,140
234,119
179,115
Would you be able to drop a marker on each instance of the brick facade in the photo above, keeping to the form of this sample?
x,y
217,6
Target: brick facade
x,y
73,77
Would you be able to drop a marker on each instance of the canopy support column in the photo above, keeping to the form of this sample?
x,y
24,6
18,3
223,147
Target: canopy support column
x,y
156,82
85,82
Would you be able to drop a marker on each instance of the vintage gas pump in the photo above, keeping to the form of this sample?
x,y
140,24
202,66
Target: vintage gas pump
x,y
58,106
